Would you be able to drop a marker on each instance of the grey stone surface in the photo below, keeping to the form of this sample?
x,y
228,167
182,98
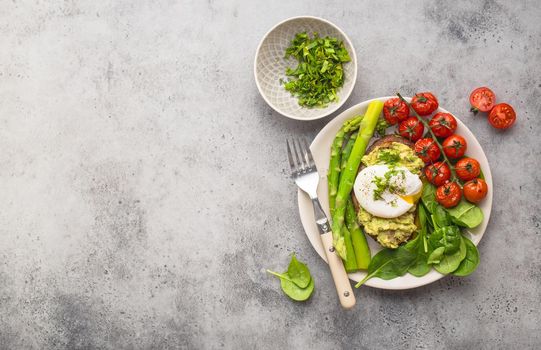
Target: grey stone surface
x,y
144,187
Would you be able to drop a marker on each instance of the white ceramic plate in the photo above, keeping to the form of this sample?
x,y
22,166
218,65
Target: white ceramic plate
x,y
270,66
321,147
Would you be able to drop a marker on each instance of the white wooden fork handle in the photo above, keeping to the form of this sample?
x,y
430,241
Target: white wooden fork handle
x,y
338,271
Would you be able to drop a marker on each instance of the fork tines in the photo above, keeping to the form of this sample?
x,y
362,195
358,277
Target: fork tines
x,y
300,159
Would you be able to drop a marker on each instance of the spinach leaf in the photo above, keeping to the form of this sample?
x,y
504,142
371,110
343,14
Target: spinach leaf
x,y
436,255
451,262
466,214
470,262
295,292
440,217
429,197
447,237
419,247
389,263
298,273
419,266
423,224
296,282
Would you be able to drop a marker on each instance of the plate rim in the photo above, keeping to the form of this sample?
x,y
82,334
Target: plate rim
x,y
330,109
308,224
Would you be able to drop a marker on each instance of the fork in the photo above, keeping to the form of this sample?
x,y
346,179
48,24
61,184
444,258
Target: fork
x,y
304,172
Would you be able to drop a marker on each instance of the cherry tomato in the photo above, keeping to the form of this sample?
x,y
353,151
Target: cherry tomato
x,y
502,116
448,194
424,103
443,124
395,110
475,190
438,173
454,146
482,99
411,129
427,150
467,169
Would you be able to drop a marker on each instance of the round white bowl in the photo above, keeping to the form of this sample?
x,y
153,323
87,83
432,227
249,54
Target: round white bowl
x,y
270,67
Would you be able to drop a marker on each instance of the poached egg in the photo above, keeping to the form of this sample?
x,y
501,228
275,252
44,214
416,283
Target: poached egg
x,y
387,192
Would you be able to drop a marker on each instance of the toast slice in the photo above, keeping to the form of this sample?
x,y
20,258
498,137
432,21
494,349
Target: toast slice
x,y
388,238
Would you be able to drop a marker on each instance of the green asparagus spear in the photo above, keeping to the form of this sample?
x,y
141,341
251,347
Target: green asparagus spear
x,y
366,131
347,150
353,123
334,168
351,262
335,162
360,245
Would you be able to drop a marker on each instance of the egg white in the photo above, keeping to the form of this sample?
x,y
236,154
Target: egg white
x,y
391,205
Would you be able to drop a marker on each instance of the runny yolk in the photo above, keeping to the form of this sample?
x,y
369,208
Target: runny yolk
x,y
412,198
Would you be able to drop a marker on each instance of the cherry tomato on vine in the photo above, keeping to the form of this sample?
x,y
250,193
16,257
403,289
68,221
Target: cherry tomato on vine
x,y
411,129
502,116
467,169
395,110
448,194
475,190
427,150
482,99
438,173
424,103
454,146
443,124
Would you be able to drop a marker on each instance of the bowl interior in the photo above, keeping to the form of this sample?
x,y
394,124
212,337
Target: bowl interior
x,y
270,67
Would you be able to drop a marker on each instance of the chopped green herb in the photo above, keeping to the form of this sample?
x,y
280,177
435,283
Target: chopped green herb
x,y
390,157
381,186
381,127
384,183
319,73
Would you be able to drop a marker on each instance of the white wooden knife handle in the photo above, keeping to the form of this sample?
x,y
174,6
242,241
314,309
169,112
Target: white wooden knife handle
x,y
338,272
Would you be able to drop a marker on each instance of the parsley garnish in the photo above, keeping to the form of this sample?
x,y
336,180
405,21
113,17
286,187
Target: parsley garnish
x,y
319,73
381,126
381,186
384,183
389,157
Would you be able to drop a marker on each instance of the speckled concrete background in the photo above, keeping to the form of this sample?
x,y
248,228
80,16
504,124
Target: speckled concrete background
x,y
144,187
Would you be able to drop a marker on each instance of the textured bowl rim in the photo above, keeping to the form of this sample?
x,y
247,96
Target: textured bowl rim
x,y
332,108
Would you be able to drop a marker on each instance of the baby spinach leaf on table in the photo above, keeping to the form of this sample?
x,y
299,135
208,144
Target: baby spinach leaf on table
x,y
447,237
295,292
436,255
296,282
451,262
280,275
466,214
470,262
298,272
